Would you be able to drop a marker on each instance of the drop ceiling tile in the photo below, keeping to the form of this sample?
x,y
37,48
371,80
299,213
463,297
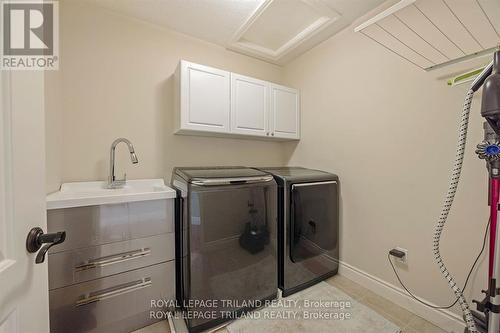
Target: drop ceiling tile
x,y
280,26
279,23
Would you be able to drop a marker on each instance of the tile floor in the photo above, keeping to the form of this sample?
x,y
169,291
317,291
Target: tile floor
x,y
407,321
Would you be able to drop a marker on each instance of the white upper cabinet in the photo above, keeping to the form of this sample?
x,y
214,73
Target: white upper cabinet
x,y
249,105
204,98
285,115
214,102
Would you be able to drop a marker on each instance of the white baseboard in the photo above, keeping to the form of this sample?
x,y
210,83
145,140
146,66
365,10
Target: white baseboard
x,y
445,319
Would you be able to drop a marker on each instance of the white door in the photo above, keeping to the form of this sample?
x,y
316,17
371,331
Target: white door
x,y
285,112
249,105
205,103
24,306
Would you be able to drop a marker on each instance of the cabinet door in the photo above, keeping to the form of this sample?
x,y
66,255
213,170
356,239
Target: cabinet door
x,y
285,116
249,105
205,104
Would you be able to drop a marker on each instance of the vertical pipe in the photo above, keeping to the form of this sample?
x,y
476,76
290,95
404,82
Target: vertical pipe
x,y
494,297
494,197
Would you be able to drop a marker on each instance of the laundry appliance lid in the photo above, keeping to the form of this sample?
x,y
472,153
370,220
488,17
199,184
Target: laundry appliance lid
x,y
215,175
299,174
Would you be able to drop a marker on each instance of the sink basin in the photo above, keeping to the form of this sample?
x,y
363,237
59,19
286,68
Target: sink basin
x,y
95,193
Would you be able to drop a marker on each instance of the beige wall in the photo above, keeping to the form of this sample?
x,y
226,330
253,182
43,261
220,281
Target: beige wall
x,y
389,129
116,80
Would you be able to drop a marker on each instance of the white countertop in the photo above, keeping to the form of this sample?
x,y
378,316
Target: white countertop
x,y
95,193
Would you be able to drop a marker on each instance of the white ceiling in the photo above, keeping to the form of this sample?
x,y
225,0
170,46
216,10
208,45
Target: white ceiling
x,y
273,30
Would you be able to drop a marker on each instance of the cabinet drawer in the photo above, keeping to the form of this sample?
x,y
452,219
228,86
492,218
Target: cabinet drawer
x,y
80,265
119,303
97,225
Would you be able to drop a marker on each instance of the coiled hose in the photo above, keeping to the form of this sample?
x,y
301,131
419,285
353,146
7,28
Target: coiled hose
x,y
448,201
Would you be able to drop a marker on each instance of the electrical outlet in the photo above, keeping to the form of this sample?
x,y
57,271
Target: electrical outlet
x,y
404,260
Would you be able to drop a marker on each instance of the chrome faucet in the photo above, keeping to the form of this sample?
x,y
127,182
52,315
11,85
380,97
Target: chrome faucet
x,y
112,181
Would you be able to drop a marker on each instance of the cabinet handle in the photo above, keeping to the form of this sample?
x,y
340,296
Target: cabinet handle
x,y
114,291
272,134
267,133
114,259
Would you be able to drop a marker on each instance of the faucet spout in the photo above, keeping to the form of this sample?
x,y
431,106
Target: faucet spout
x,y
133,157
112,181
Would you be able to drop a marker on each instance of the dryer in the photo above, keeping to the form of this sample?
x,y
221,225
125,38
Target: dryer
x,y
308,226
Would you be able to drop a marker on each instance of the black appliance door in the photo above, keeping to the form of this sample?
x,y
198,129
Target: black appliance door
x,y
231,251
313,219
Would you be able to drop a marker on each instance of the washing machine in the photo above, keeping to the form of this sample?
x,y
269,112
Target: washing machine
x,y
226,242
308,226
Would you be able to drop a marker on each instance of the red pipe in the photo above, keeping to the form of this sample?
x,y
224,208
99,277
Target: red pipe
x,y
494,188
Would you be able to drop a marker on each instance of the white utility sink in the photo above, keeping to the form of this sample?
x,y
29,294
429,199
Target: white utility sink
x,y
95,193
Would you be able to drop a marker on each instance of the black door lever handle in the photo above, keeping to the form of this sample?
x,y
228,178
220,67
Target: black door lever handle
x,y
36,238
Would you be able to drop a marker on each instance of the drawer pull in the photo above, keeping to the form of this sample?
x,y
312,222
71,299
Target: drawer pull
x,y
114,259
114,291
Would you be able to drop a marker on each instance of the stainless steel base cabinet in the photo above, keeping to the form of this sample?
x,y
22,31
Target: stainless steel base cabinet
x,y
115,261
119,303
